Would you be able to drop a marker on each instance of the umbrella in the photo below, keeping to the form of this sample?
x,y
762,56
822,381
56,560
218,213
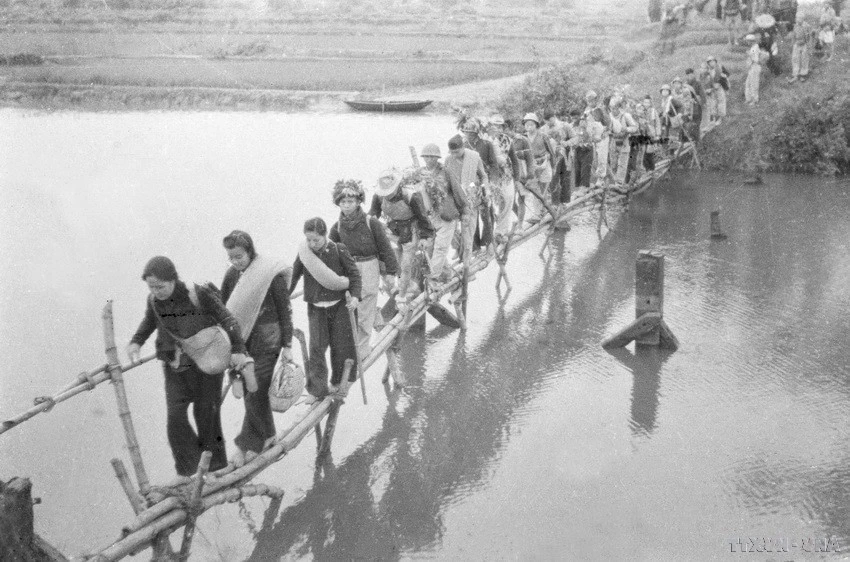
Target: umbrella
x,y
765,21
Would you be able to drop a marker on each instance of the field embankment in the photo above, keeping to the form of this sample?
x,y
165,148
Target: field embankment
x,y
91,56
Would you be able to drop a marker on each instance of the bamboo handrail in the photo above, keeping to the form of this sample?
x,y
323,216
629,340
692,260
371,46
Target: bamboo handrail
x,y
99,375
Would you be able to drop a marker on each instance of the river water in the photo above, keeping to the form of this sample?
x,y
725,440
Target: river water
x,y
521,438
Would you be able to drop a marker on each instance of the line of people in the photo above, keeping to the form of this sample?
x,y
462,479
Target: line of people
x,y
420,221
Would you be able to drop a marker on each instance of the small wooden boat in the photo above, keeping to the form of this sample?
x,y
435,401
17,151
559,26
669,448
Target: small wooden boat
x,y
376,105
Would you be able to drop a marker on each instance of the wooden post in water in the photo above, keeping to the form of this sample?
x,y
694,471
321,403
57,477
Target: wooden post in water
x,y
648,327
716,231
649,291
121,397
18,540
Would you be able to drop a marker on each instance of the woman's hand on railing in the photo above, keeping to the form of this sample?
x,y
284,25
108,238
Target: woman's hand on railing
x,y
134,353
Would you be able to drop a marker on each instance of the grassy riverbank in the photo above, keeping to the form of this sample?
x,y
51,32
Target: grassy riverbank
x,y
802,127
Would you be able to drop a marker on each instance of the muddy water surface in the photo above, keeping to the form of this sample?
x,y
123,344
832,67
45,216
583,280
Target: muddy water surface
x,y
521,438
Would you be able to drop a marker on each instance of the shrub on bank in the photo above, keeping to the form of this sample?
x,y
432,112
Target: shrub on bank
x,y
557,88
812,136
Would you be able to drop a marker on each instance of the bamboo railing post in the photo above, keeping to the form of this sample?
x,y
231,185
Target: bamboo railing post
x,y
121,398
198,487
361,368
136,501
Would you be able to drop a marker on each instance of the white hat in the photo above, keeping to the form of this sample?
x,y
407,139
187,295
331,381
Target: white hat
x,y
497,119
531,117
388,182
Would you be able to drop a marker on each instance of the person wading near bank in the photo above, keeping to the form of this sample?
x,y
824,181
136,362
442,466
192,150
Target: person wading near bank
x,y
543,152
466,173
406,216
329,271
255,290
366,240
197,340
448,204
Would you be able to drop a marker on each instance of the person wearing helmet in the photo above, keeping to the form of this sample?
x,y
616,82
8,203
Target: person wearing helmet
x,y
406,215
623,126
671,119
368,244
448,204
718,77
493,162
508,178
690,112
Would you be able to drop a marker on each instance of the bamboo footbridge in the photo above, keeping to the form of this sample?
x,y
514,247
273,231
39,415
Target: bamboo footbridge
x,y
159,514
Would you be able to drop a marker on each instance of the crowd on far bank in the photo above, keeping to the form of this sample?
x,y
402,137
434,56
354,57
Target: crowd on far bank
x,y
767,22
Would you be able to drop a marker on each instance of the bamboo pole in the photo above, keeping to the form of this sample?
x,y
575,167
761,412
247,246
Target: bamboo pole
x,y
175,518
136,501
98,376
189,530
352,321
121,398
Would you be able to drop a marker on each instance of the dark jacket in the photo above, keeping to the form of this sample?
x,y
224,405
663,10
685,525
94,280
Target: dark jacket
x,y
487,152
402,229
273,328
180,316
337,258
365,240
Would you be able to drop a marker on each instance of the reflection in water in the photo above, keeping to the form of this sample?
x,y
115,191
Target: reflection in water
x,y
442,447
645,364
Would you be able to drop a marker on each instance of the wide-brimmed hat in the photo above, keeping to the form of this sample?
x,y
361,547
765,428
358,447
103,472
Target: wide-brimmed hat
x,y
497,120
765,21
677,79
751,37
431,150
590,95
531,117
388,182
711,58
665,87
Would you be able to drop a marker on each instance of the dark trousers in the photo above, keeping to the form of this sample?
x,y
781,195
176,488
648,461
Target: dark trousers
x,y
584,163
649,160
483,232
329,327
203,392
258,424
